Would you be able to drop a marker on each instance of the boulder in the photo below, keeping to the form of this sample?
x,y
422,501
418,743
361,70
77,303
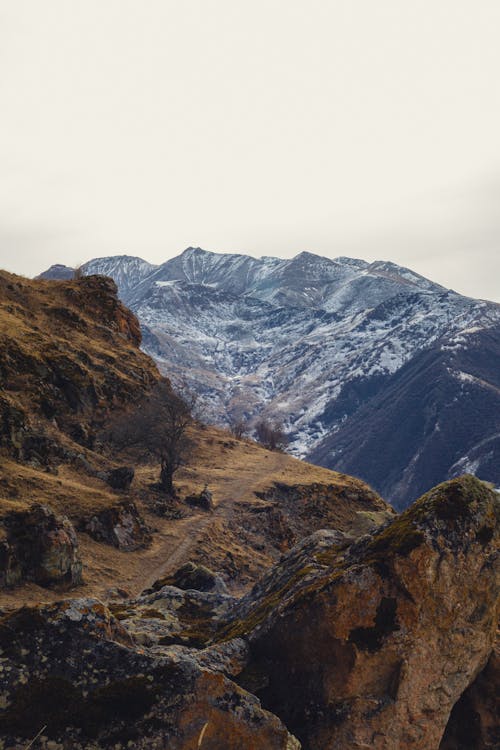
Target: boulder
x,y
120,525
170,616
73,670
372,643
40,546
120,478
203,500
192,576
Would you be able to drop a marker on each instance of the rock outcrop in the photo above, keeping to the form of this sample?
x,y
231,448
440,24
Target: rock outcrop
x,y
120,478
192,576
345,644
203,500
39,546
120,525
371,644
69,354
72,671
296,510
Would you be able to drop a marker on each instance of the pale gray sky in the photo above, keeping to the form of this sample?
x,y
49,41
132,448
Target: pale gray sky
x,y
342,127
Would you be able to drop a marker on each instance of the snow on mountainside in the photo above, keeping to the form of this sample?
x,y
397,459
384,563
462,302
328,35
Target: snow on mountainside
x,y
126,271
314,342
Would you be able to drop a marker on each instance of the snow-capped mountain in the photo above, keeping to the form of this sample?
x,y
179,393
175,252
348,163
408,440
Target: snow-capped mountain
x,y
369,365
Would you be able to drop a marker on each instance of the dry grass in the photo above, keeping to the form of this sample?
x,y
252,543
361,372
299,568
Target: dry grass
x,y
46,326
234,470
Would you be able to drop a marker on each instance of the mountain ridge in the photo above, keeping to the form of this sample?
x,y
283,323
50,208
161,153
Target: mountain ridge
x,y
293,339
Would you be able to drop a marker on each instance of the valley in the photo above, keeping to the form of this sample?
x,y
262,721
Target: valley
x,y
339,351
268,604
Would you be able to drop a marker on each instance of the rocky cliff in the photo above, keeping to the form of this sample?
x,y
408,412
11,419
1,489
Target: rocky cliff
x,y
69,351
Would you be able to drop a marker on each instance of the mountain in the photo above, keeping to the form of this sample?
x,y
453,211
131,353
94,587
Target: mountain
x,y
128,618
72,504
339,350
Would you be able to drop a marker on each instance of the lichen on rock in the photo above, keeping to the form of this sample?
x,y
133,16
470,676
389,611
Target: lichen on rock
x,y
39,546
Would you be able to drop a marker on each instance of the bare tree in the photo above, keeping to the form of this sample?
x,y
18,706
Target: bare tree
x,y
271,435
238,427
158,427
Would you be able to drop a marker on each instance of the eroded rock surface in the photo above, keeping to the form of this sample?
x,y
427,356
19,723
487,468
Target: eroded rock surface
x,y
39,546
120,525
371,644
474,723
347,644
73,669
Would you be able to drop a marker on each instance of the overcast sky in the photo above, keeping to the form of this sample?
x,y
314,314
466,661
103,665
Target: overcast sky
x,y
343,127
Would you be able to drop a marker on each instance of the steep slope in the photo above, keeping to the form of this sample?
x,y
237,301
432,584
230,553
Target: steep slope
x,y
446,405
69,351
311,341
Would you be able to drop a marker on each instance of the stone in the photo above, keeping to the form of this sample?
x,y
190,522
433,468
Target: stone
x,y
371,643
99,689
192,576
203,500
40,546
119,525
120,478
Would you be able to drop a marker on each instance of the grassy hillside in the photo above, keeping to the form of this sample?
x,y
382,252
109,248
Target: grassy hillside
x,y
69,360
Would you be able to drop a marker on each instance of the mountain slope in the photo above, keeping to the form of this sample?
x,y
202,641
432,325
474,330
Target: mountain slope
x,y
311,341
445,403
69,360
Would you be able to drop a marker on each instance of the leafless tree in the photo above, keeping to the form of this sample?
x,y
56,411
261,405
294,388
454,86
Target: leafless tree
x,y
271,435
238,427
158,426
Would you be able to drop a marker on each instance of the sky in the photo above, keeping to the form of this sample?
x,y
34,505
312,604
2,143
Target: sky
x,y
341,127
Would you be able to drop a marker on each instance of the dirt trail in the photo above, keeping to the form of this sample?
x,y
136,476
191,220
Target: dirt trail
x,y
228,491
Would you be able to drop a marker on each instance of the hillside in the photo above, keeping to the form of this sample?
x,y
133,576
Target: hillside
x,y
342,351
69,360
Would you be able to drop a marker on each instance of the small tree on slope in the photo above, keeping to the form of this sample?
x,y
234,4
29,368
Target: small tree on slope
x,y
158,427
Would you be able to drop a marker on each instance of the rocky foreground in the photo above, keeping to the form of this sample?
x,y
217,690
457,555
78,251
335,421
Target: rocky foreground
x,y
345,643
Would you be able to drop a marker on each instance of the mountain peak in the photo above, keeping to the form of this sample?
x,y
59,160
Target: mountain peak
x,y
195,251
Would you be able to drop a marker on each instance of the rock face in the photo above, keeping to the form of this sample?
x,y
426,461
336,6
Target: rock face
x,y
98,690
474,722
371,644
120,525
41,547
